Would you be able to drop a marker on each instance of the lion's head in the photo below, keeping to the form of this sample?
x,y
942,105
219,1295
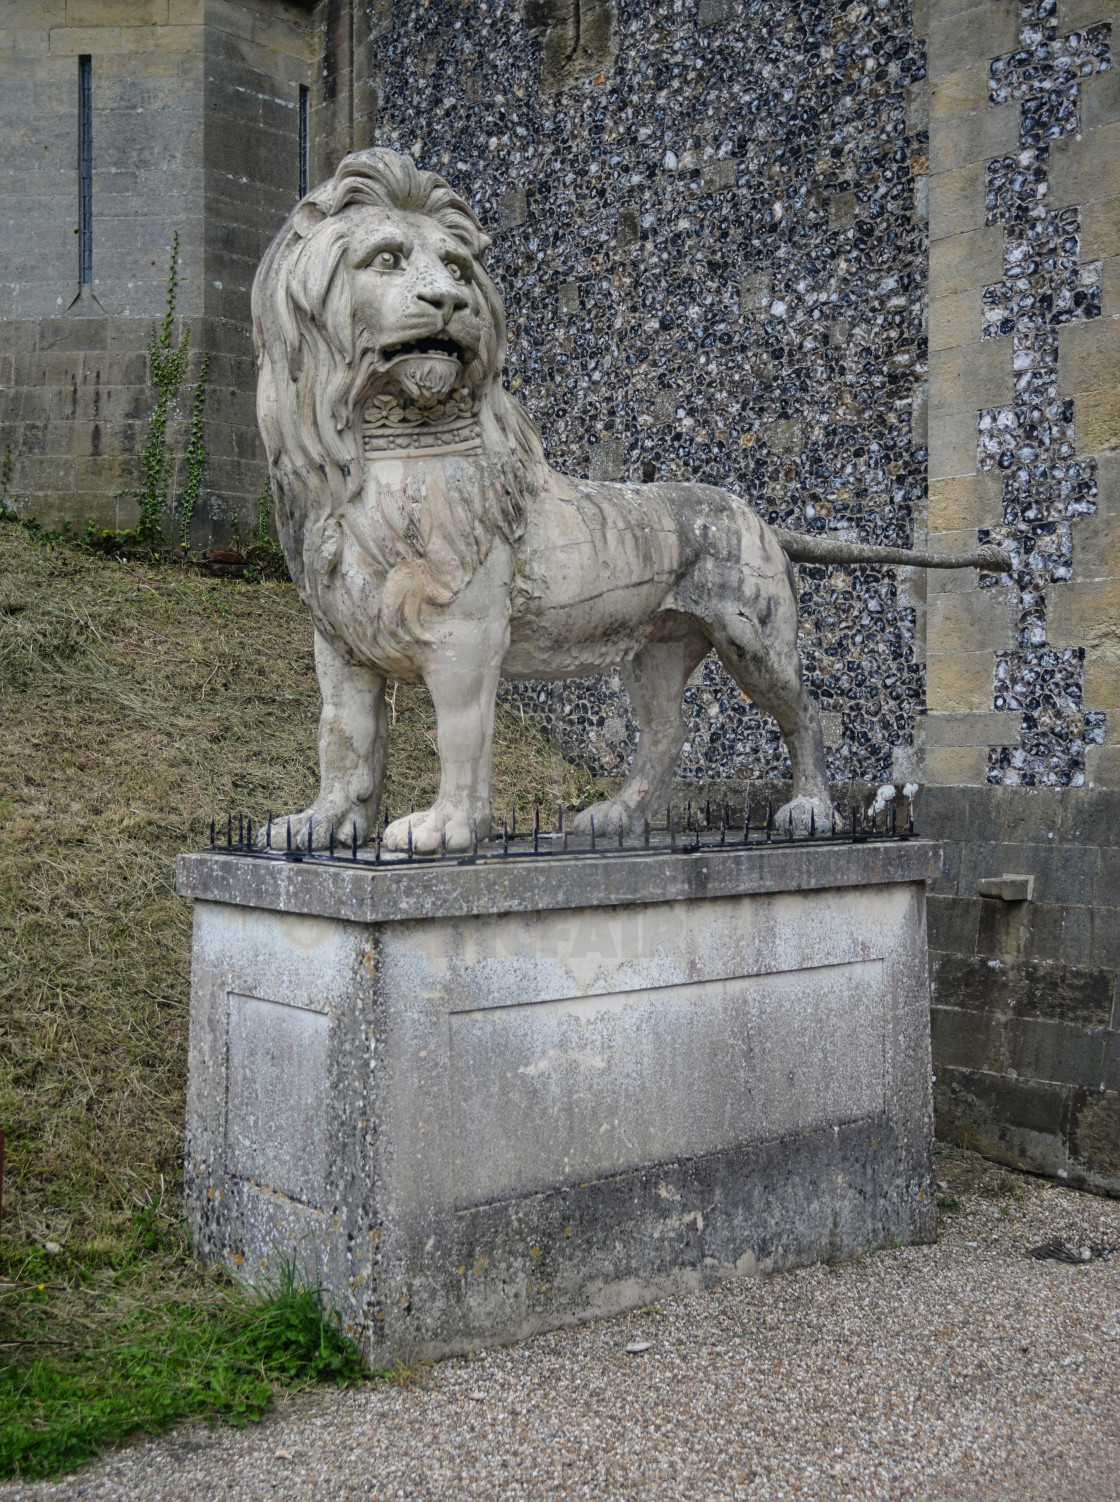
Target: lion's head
x,y
372,307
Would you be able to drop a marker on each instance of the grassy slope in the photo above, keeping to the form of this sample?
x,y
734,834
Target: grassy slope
x,y
134,702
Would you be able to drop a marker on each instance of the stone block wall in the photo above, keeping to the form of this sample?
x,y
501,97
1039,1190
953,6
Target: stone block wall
x,y
1021,760
194,129
258,54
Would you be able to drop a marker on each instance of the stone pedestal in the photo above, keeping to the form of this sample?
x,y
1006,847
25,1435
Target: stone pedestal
x,y
476,1101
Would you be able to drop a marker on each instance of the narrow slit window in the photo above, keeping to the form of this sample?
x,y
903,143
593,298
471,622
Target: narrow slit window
x,y
85,170
304,97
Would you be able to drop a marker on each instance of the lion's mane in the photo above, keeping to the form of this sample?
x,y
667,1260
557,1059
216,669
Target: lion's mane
x,y
313,378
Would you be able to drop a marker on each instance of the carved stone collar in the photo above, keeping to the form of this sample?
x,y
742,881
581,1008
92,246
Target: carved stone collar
x,y
392,424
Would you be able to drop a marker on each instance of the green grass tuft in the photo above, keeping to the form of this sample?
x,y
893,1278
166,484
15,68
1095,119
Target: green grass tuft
x,y
66,1394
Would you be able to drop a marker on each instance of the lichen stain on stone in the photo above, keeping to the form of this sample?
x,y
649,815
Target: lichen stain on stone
x,y
307,934
1098,1134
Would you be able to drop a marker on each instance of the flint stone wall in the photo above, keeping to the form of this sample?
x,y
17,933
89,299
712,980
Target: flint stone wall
x,y
708,224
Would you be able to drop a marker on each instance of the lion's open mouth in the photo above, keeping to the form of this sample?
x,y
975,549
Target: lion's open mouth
x,y
440,345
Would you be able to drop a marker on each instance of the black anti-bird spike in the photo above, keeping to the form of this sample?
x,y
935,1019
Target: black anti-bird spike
x,y
832,823
536,830
791,823
248,834
688,817
723,827
747,825
354,840
376,850
505,838
211,833
289,836
697,829
672,832
410,839
708,814
241,829
268,832
593,831
812,822
645,831
894,818
620,833
443,839
513,824
769,808
474,837
910,821
310,834
330,841
559,818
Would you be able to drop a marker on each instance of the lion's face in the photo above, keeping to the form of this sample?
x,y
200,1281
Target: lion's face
x,y
418,308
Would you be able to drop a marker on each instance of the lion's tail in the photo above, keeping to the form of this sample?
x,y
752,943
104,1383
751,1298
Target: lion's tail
x,y
802,547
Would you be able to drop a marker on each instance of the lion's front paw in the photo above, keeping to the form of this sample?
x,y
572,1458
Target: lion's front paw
x,y
442,827
290,831
804,816
609,816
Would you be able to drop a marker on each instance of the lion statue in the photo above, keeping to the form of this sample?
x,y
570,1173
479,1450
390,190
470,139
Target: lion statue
x,y
431,541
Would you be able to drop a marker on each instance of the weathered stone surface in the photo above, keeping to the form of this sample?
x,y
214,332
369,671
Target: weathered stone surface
x,y
430,539
518,1108
194,130
1042,974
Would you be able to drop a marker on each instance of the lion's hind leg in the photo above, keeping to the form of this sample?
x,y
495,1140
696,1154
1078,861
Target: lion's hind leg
x,y
759,649
655,679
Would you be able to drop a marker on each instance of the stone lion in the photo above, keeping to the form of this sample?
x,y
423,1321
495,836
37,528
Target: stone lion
x,y
431,541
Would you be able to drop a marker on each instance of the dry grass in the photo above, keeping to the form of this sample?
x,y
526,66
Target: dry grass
x,y
134,702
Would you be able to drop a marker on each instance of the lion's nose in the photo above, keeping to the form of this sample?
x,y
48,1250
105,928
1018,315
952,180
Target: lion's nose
x,y
441,293
445,299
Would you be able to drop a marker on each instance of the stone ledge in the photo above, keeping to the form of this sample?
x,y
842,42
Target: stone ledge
x,y
399,892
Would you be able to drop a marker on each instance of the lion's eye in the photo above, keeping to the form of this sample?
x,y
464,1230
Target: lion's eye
x,y
387,260
454,271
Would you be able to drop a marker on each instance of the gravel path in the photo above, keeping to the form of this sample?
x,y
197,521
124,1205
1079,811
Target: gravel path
x,y
963,1371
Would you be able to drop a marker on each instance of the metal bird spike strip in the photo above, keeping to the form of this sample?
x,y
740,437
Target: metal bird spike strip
x,y
700,835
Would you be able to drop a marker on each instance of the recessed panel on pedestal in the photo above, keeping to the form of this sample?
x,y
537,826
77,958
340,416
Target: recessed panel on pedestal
x,y
558,1092
276,1112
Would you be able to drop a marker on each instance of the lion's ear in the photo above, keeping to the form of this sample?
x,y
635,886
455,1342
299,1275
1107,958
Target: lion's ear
x,y
484,243
308,215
